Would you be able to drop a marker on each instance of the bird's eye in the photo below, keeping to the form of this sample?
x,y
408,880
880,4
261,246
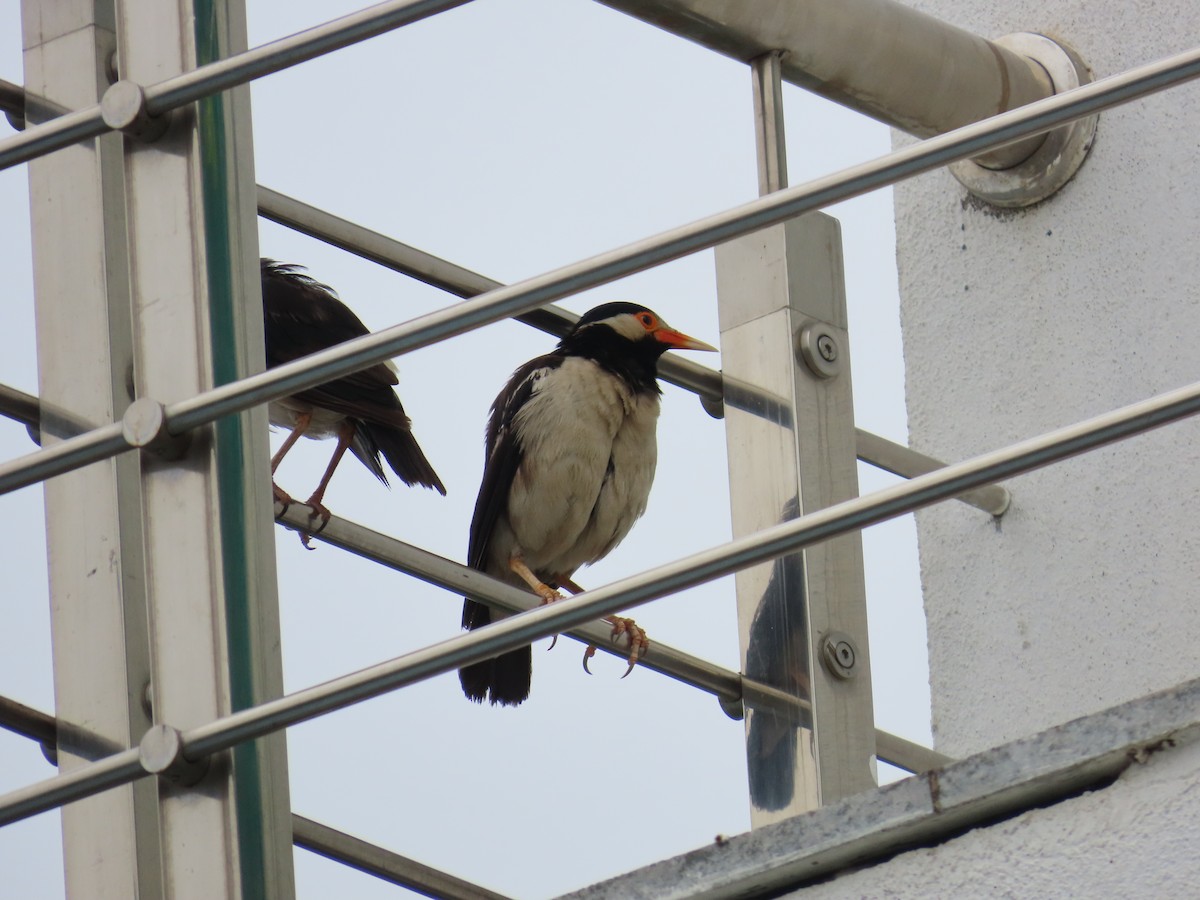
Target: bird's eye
x,y
647,320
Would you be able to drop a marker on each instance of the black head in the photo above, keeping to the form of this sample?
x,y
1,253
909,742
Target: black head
x,y
627,339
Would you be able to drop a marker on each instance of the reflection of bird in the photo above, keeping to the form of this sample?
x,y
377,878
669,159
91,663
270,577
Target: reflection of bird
x,y
302,316
570,458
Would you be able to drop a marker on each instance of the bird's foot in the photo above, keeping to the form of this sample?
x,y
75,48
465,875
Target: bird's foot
x,y
638,642
281,496
318,513
549,595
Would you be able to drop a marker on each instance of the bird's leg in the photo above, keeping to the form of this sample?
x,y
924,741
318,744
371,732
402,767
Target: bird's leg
x,y
302,423
319,510
543,590
638,642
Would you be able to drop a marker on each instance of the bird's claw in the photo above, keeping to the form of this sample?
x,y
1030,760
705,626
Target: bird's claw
x,y
638,642
319,513
549,595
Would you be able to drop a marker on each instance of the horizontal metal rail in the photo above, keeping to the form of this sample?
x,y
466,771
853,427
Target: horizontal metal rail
x,y
518,630
527,295
43,728
232,71
465,283
731,689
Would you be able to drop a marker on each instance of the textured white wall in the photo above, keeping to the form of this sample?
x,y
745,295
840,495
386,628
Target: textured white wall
x,y
1135,839
1085,594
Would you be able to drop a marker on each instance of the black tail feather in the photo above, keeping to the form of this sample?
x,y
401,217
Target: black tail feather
x,y
400,449
504,679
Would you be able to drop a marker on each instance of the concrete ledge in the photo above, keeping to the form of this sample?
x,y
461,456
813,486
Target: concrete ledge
x,y
1059,763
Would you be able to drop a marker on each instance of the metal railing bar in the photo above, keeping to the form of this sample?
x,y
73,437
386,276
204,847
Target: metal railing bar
x,y
707,383
908,463
527,295
187,87
383,863
98,444
29,722
452,278
730,688
524,628
537,291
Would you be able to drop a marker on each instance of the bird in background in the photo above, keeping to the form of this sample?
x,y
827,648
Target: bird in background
x,y
300,317
571,451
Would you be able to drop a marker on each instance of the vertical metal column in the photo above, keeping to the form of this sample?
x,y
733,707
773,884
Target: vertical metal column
x,y
93,516
162,565
790,431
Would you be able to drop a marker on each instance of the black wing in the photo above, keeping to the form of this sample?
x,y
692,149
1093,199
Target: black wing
x,y
504,454
302,316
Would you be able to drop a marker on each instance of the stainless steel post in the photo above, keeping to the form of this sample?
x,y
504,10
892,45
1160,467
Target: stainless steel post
x,y
782,305
162,566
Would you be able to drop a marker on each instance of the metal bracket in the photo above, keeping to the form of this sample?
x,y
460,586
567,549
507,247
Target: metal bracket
x,y
1059,156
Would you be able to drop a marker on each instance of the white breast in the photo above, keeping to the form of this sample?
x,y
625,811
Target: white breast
x,y
589,456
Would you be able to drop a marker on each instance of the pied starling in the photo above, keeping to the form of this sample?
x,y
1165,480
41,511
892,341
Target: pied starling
x,y
571,451
302,316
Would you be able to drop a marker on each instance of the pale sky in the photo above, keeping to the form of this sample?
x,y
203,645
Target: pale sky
x,y
508,137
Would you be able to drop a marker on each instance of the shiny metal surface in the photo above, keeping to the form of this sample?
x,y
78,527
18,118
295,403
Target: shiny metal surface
x,y
772,286
705,382
778,207
1060,155
515,631
766,74
879,57
98,602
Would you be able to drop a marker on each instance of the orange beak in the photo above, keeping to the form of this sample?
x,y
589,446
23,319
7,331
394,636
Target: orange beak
x,y
677,340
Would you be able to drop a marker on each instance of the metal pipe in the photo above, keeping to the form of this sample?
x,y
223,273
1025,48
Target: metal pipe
x,y
539,290
882,58
382,863
453,279
231,71
515,631
506,302
93,446
788,537
706,383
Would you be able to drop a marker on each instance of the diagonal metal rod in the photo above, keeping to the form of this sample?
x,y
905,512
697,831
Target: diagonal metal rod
x,y
706,383
524,296
524,628
232,71
382,863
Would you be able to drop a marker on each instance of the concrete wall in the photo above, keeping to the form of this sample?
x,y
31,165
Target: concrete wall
x,y
1085,593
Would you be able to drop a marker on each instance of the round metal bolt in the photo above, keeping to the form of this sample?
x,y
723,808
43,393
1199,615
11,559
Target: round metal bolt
x,y
839,656
819,350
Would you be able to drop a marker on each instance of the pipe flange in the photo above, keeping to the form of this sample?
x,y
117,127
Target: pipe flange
x,y
1059,157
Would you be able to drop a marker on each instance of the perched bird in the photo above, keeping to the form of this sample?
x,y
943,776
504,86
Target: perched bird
x,y
302,316
571,451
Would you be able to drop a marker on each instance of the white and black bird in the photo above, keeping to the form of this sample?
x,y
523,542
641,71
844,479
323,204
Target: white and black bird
x,y
571,452
302,316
